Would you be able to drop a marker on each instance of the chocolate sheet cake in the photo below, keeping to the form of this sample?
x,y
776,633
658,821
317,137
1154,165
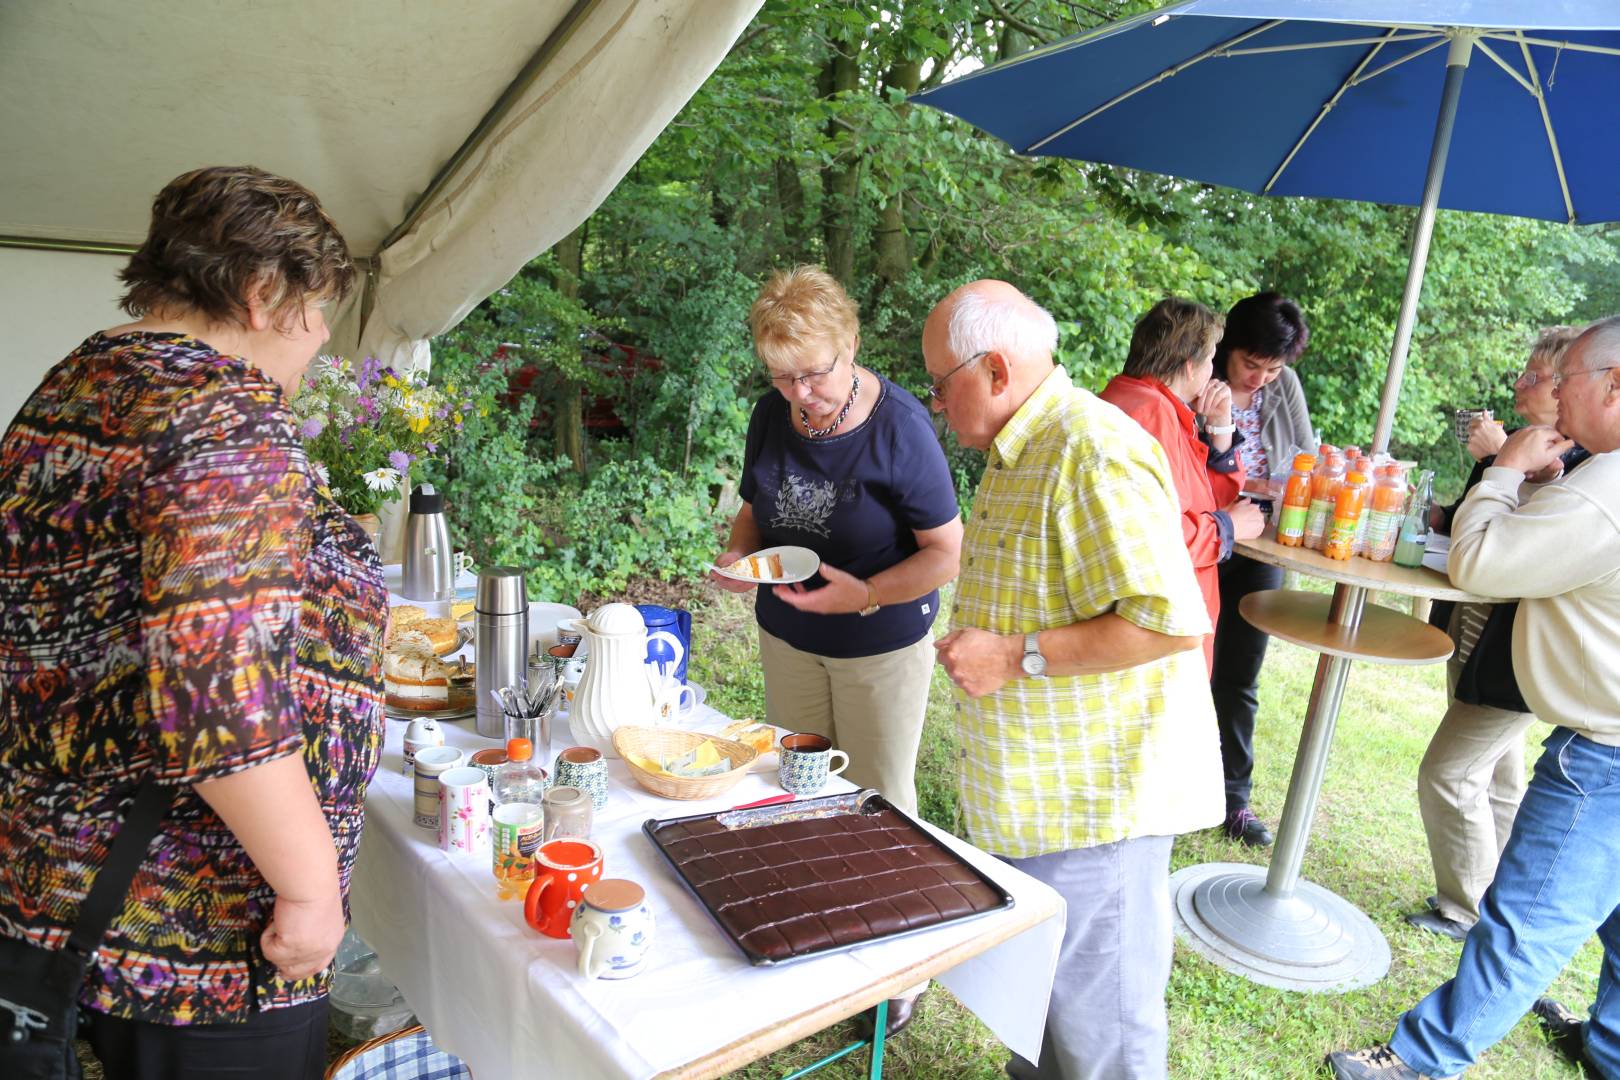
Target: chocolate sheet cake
x,y
792,889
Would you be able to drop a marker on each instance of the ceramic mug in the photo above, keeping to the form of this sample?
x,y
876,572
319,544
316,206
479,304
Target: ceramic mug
x,y
584,768
567,812
612,928
807,762
517,836
420,734
674,702
562,869
464,810
569,663
430,763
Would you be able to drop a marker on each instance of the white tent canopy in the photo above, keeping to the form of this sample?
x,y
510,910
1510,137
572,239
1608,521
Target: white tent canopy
x,y
451,141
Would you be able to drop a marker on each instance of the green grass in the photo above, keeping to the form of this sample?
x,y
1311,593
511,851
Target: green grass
x,y
1366,844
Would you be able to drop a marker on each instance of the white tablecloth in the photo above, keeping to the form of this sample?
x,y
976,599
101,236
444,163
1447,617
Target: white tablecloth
x,y
508,1000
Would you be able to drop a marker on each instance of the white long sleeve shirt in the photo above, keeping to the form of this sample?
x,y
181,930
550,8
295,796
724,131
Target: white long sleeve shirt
x,y
1558,552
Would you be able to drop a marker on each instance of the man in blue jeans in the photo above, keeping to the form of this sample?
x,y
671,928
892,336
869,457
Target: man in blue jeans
x,y
1559,877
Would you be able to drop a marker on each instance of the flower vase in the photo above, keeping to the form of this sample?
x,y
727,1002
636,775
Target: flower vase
x,y
391,541
371,524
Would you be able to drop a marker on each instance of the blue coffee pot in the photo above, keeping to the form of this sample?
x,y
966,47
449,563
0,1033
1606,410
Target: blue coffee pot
x,y
675,621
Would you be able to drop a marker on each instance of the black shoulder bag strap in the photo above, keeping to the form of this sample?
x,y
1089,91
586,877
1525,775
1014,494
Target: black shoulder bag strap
x,y
39,987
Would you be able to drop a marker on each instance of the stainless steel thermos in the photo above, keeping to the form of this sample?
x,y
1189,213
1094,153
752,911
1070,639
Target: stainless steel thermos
x,y
427,573
501,642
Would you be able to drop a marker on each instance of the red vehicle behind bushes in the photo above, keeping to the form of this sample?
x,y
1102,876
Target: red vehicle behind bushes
x,y
607,413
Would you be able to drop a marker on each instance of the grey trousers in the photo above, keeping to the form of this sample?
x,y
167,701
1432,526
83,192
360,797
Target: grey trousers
x,y
1106,1020
1469,787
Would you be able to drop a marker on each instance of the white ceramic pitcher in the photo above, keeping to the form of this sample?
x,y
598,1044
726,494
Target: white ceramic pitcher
x,y
617,687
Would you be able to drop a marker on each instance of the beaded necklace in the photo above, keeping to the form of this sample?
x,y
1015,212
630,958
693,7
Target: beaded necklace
x,y
822,433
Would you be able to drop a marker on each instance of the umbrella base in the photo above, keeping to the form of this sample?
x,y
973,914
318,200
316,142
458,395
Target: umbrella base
x,y
1313,940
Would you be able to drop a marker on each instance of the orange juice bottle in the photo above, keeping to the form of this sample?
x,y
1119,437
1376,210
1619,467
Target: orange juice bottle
x,y
1296,503
1341,538
1384,520
1324,483
1368,467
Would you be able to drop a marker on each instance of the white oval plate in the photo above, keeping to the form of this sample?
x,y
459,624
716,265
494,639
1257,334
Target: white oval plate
x,y
798,564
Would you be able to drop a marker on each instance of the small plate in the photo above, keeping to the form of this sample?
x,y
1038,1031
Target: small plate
x,y
429,714
798,564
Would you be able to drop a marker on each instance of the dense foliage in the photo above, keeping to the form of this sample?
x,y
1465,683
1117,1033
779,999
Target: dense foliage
x,y
801,147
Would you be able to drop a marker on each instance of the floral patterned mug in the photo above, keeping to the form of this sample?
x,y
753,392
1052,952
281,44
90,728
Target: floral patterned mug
x,y
612,928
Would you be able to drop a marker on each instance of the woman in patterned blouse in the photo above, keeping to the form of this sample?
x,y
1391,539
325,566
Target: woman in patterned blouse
x,y
181,599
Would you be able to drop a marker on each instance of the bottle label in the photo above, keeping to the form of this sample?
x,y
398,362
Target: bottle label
x,y
1291,522
1341,537
1316,521
1383,526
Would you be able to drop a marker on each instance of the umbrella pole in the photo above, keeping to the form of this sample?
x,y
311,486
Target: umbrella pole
x,y
1462,48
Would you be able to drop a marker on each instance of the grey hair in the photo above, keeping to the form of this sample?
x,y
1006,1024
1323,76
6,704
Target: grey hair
x,y
1602,339
982,324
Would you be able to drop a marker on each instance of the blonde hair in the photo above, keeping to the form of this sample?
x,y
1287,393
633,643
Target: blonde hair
x,y
1552,343
1172,333
797,308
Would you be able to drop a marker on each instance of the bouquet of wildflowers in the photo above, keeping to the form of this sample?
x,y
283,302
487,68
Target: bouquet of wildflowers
x,y
365,427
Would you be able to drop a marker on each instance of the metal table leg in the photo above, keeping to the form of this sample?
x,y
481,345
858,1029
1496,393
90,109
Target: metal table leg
x,y
1267,924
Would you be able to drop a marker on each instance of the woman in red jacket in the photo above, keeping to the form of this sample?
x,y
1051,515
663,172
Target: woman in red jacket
x,y
1167,388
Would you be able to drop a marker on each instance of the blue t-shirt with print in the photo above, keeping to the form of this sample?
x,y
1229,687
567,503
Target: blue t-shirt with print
x,y
855,499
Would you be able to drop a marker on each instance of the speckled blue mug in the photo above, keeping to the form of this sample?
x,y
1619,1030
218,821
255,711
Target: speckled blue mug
x,y
807,762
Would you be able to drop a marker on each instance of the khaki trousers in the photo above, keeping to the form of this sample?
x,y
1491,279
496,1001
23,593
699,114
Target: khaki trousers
x,y
871,707
1469,787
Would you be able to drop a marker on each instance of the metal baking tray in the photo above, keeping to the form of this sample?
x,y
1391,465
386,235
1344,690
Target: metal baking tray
x,y
867,802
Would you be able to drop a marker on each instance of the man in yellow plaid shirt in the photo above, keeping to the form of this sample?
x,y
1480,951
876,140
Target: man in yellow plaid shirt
x,y
1088,734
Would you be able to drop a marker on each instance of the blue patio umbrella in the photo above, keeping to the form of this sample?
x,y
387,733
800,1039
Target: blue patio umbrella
x,y
1345,99
1348,99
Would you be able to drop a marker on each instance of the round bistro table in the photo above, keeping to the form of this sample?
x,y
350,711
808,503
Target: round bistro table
x,y
1267,923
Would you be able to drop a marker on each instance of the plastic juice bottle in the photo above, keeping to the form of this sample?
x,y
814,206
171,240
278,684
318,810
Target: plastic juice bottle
x,y
1370,467
521,779
1415,524
1296,502
1347,506
1384,519
1325,481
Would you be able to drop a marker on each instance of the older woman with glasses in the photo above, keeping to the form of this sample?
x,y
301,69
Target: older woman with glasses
x,y
844,462
1472,776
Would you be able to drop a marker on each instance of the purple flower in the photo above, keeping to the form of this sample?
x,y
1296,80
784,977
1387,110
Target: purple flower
x,y
432,448
441,412
313,427
370,372
400,460
367,406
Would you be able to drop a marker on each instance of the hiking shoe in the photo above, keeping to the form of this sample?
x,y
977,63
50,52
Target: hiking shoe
x,y
1246,829
1374,1063
1563,1030
1436,923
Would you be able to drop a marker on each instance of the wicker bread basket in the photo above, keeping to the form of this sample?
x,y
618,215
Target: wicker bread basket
x,y
657,743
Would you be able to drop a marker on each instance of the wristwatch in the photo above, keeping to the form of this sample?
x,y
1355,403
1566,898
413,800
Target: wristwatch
x,y
1219,429
1033,663
871,595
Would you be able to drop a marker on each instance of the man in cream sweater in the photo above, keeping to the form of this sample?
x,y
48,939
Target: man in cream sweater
x,y
1557,549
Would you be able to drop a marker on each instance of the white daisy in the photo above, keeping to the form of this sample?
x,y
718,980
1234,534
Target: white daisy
x,y
383,479
321,474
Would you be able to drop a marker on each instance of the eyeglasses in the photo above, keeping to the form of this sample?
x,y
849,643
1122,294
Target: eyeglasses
x,y
936,390
1558,379
810,378
1528,379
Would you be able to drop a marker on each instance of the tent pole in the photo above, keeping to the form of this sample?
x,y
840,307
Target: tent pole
x,y
1462,47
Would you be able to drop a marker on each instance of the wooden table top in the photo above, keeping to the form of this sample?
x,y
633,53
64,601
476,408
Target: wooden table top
x,y
1384,636
1406,580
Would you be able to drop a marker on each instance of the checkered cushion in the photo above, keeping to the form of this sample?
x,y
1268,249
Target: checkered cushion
x,y
410,1055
